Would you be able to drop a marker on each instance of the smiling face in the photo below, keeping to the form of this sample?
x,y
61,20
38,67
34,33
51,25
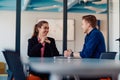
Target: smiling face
x,y
44,29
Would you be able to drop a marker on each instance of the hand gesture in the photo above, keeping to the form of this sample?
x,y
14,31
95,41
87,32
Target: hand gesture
x,y
45,39
67,53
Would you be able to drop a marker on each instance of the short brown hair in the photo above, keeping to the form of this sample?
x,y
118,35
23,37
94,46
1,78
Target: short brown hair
x,y
90,19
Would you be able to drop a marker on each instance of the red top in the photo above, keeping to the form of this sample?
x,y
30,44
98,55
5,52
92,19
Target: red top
x,y
43,48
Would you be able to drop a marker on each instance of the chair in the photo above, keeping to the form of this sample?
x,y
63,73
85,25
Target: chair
x,y
15,67
108,55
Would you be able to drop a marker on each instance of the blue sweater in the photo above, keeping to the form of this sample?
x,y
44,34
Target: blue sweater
x,y
94,44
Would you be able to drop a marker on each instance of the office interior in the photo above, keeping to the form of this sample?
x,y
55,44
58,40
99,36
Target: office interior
x,y
109,24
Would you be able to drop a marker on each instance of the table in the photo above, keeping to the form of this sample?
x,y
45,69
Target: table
x,y
69,66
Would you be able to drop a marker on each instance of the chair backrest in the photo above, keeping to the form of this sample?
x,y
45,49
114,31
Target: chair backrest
x,y
14,64
108,55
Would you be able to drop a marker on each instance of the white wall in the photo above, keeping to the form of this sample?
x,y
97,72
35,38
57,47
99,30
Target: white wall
x,y
114,32
7,31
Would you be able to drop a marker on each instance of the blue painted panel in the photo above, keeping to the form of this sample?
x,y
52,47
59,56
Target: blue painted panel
x,y
78,8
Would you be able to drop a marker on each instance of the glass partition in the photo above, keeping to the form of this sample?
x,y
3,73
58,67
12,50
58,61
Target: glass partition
x,y
77,9
7,25
52,10
114,26
34,11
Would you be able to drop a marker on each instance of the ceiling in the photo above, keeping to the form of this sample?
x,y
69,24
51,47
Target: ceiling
x,y
80,6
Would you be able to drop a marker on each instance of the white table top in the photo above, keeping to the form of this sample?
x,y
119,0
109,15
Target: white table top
x,y
75,66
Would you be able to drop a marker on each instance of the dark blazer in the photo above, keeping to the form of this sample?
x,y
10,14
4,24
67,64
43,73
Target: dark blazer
x,y
34,48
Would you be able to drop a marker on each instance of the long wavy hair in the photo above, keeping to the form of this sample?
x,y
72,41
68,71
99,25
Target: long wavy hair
x,y
38,25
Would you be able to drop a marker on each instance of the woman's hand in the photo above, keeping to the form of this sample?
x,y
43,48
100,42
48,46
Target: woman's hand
x,y
45,39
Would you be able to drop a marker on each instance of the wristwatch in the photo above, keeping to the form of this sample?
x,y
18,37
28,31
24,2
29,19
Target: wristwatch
x,y
71,55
